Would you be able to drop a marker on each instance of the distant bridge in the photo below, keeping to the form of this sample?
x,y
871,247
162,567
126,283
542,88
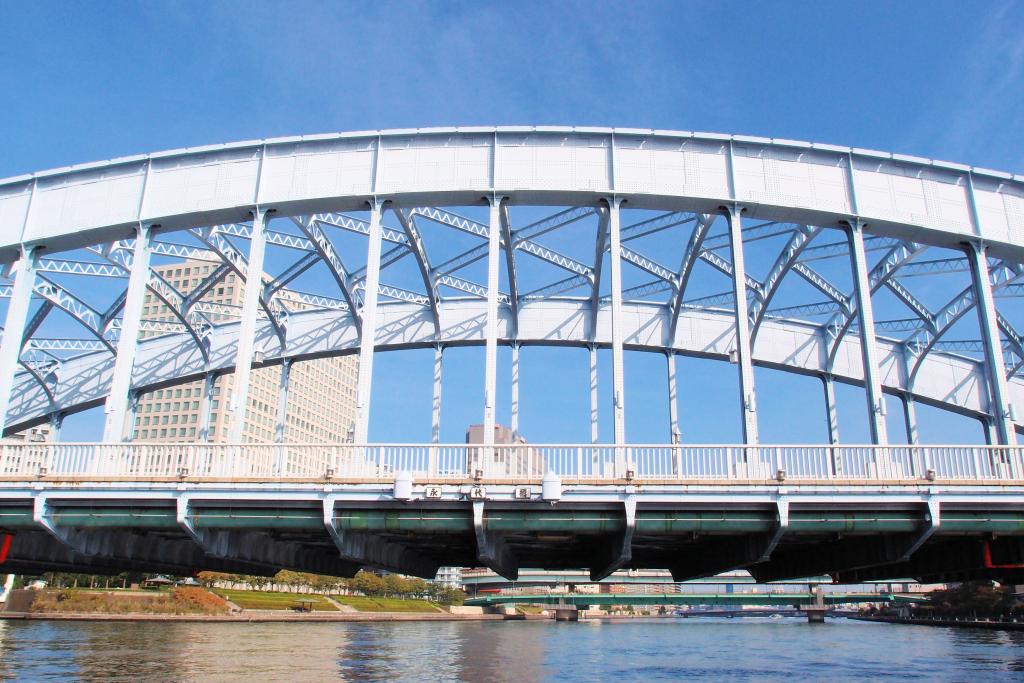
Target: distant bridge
x,y
485,580
775,599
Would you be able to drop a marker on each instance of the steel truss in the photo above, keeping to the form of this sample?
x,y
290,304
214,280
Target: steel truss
x,y
623,274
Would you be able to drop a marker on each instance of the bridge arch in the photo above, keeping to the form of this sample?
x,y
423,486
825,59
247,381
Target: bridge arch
x,y
760,189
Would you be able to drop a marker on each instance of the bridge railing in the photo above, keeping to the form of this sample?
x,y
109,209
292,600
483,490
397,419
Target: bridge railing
x,y
512,462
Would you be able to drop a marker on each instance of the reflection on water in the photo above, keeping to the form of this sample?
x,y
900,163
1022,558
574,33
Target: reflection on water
x,y
690,649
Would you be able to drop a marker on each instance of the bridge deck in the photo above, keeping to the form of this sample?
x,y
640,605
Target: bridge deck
x,y
877,527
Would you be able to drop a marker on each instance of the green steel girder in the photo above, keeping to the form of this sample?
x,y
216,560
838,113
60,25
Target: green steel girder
x,y
648,522
691,542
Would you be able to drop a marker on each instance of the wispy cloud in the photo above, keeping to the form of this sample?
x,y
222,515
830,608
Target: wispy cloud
x,y
975,114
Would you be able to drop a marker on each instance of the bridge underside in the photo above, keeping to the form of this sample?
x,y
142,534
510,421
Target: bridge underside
x,y
852,537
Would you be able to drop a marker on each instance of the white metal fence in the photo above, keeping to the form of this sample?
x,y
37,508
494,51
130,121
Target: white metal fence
x,y
518,462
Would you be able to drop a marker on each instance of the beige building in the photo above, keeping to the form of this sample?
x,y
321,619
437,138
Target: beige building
x,y
521,461
321,395
39,434
502,435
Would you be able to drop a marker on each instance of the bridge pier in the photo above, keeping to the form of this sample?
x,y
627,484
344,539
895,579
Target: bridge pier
x,y
567,613
815,614
816,610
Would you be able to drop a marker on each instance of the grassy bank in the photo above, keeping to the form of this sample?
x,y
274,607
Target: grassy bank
x,y
366,604
286,601
183,600
272,600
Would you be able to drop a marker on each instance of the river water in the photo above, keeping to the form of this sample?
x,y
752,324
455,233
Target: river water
x,y
635,650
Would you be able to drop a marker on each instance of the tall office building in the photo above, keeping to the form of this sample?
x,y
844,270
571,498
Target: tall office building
x,y
321,393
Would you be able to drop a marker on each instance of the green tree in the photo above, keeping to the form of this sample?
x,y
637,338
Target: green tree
x,y
257,582
287,578
369,584
980,598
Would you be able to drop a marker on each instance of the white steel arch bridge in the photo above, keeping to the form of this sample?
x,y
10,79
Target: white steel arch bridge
x,y
893,273
889,217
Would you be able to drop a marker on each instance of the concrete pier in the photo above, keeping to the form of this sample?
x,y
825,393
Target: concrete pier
x,y
816,610
567,613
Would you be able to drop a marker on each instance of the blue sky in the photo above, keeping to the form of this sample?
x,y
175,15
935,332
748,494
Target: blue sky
x,y
87,81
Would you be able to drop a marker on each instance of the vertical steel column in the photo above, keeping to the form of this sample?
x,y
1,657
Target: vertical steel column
x,y
14,327
748,394
673,400
514,426
989,431
615,261
909,418
368,332
247,328
831,414
133,409
593,394
435,420
1000,407
115,427
491,330
866,321
205,404
56,424
284,384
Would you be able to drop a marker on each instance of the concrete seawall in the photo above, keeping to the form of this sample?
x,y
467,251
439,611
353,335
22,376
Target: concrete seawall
x,y
254,617
948,623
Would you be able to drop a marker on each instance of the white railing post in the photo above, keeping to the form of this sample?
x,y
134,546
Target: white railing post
x,y
976,463
432,468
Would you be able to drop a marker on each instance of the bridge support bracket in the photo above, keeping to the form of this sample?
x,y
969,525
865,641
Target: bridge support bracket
x,y
181,516
491,549
934,518
619,549
41,516
357,549
780,530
